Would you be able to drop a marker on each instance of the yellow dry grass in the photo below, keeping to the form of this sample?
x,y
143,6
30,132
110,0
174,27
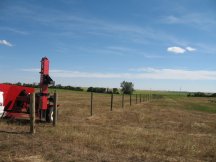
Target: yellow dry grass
x,y
160,130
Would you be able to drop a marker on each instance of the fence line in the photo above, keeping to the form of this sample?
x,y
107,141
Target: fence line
x,y
142,98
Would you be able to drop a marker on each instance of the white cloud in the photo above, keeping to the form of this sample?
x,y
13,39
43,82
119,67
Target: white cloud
x,y
177,50
5,43
190,49
140,73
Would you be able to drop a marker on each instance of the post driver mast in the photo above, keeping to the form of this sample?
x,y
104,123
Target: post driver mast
x,y
45,80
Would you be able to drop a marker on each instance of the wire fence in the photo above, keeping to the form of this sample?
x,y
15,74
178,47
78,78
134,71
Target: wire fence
x,y
89,103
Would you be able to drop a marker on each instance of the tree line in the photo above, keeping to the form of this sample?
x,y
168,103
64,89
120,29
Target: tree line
x,y
126,87
201,94
103,90
57,86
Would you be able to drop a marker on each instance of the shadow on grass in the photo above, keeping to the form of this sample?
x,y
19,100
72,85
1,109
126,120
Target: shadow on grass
x,y
9,132
24,122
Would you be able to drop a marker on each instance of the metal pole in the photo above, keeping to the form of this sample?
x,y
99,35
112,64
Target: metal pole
x,y
32,113
55,111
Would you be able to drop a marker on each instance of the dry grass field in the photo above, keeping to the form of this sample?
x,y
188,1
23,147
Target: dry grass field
x,y
166,129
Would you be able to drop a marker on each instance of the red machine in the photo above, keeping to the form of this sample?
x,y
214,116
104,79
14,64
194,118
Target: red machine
x,y
15,100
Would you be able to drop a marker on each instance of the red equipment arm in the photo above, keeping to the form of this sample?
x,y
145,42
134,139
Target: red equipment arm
x,y
45,81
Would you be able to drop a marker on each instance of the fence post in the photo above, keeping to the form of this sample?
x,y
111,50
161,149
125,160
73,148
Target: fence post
x,y
111,106
130,100
91,102
136,98
123,100
140,98
55,111
32,113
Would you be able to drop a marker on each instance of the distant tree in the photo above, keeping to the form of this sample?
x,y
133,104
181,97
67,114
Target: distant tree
x,y
90,89
213,95
18,83
96,89
115,91
58,86
199,94
189,95
127,87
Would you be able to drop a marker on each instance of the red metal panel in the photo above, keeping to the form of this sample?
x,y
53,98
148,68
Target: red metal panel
x,y
11,92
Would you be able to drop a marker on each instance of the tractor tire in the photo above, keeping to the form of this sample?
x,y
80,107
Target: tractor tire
x,y
49,117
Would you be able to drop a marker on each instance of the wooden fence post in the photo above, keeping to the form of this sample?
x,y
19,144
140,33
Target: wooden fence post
x,y
136,98
55,110
111,105
140,98
123,100
91,102
130,100
32,113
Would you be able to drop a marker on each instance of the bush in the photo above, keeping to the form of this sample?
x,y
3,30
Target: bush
x,y
213,95
201,94
115,91
96,89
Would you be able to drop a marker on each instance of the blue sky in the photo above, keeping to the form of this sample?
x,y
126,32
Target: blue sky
x,y
157,44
